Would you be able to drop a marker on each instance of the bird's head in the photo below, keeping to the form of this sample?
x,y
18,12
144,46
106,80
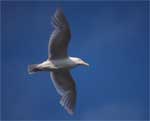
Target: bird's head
x,y
79,61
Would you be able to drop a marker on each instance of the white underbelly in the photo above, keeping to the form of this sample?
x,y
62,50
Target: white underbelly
x,y
63,63
57,64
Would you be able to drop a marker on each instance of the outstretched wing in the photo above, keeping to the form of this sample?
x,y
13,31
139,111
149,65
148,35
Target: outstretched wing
x,y
60,36
65,86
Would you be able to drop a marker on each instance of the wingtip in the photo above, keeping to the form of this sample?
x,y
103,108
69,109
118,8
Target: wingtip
x,y
70,111
59,10
68,102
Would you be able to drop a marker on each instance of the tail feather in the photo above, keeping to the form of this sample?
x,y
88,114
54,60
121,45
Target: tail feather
x,y
32,68
68,102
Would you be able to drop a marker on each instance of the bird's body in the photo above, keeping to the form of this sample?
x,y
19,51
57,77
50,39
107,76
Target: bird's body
x,y
59,63
53,65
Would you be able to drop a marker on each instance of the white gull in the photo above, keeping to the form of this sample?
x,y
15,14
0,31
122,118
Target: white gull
x,y
59,63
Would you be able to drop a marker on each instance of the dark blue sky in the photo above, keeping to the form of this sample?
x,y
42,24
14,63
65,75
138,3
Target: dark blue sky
x,y
111,36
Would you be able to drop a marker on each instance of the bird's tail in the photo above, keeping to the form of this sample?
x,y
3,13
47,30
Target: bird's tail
x,y
33,68
68,102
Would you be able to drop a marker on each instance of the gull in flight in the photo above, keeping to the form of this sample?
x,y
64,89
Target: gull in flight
x,y
59,63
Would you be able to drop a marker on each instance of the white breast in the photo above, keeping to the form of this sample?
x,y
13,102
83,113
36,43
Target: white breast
x,y
56,64
67,62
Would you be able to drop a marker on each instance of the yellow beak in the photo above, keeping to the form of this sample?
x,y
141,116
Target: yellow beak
x,y
86,64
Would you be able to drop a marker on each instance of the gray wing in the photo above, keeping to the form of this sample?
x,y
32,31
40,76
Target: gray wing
x,y
60,36
65,86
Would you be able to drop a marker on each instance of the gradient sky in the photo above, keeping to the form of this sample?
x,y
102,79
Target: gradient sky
x,y
111,36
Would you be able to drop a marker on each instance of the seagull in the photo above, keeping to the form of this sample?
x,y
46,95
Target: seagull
x,y
59,63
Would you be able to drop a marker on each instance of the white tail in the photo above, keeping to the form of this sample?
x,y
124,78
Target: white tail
x,y
32,68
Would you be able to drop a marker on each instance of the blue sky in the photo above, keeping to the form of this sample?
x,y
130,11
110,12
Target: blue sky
x,y
111,36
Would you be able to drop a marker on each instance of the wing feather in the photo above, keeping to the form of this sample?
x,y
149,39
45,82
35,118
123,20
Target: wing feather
x,y
60,37
65,86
